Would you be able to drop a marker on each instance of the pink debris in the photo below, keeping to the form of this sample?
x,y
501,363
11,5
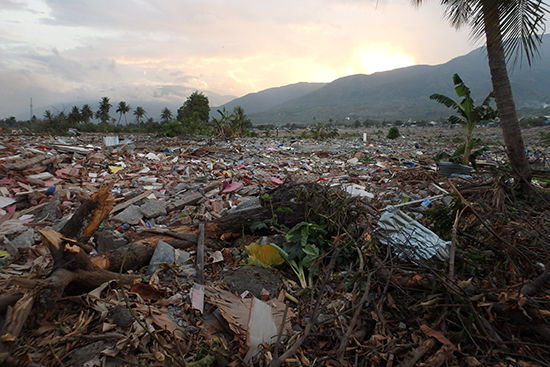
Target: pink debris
x,y
230,186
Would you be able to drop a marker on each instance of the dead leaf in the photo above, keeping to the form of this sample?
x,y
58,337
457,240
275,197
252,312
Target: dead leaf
x,y
147,292
436,334
17,316
51,237
75,249
472,361
105,200
465,283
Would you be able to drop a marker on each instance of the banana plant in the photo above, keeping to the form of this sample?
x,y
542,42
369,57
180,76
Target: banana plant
x,y
311,253
468,113
221,124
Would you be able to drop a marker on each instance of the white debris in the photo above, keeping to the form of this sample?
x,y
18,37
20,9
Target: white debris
x,y
409,238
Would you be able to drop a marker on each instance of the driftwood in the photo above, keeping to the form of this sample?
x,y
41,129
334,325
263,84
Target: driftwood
x,y
287,205
234,224
72,268
72,265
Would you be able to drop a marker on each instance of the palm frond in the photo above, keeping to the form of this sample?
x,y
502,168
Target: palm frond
x,y
522,27
446,101
518,23
456,119
457,12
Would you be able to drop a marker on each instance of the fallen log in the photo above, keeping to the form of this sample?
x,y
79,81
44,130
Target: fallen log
x,y
286,206
131,257
72,265
72,268
234,224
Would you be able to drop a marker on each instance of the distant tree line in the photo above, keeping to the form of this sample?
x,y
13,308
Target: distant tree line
x,y
192,118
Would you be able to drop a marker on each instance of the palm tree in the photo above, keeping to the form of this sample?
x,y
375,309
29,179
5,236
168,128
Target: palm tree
x,y
166,115
468,113
86,113
122,109
140,113
510,28
222,124
74,116
240,122
48,115
103,112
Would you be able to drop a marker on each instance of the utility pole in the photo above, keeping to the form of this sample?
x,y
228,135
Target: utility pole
x,y
31,109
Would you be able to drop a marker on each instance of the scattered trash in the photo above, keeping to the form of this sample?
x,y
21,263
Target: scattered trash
x,y
358,190
201,249
230,185
261,328
409,238
448,169
164,253
110,141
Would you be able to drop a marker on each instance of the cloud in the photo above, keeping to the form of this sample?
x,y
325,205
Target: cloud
x,y
230,47
11,5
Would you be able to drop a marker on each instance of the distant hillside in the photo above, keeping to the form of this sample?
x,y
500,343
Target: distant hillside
x,y
404,93
269,98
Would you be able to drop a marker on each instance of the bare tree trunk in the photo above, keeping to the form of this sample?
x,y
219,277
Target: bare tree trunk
x,y
505,99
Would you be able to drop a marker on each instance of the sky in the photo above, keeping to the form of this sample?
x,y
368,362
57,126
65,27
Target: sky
x,y
67,52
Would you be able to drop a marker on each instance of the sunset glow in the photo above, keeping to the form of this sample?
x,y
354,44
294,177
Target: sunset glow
x,y
374,61
58,52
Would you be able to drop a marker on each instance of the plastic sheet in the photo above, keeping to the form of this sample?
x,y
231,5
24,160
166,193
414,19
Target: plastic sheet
x,y
410,239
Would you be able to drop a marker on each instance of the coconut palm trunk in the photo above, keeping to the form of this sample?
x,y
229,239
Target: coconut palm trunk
x,y
510,27
502,89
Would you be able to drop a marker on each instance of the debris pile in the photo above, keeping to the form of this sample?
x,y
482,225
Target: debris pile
x,y
167,252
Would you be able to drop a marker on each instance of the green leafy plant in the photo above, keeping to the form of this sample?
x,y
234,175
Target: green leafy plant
x,y
303,242
232,125
441,218
273,222
302,248
311,252
321,131
301,235
393,133
468,113
458,154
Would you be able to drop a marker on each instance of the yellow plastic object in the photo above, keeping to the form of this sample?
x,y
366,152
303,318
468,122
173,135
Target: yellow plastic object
x,y
115,169
266,255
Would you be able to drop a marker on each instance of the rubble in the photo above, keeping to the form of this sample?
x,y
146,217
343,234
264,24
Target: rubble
x,y
147,239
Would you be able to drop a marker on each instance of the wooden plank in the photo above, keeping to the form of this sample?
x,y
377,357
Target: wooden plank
x,y
4,201
127,203
41,176
200,254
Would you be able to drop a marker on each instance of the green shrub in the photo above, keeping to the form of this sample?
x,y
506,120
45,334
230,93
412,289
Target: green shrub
x,y
393,133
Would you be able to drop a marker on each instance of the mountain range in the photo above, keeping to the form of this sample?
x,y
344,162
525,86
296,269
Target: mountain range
x,y
399,94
